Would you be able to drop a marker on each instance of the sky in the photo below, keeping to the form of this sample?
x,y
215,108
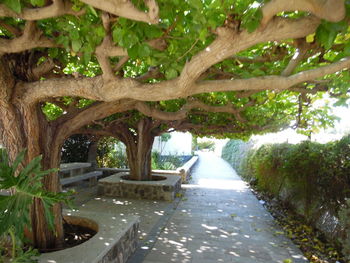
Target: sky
x,y
340,129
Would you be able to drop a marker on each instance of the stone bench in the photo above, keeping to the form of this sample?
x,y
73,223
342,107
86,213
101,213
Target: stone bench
x,y
92,176
72,169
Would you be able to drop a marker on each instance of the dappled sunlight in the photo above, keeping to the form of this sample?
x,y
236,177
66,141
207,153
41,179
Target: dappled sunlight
x,y
217,219
236,185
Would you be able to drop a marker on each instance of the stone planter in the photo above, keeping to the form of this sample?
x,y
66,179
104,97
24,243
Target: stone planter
x,y
116,186
115,240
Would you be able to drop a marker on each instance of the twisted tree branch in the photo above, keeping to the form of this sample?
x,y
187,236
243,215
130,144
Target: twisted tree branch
x,y
125,8
31,38
57,8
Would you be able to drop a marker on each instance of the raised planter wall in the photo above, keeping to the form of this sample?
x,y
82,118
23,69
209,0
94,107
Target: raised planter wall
x,y
115,241
184,171
116,186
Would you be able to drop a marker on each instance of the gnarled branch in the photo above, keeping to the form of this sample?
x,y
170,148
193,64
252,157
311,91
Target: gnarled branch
x,y
125,8
31,38
331,10
57,8
229,42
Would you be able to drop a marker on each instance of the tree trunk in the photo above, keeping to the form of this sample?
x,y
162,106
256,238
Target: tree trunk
x,y
92,155
139,150
45,238
22,126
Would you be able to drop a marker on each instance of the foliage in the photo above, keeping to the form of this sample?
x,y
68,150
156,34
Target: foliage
x,y
75,149
208,145
189,28
111,153
313,171
169,162
235,152
26,185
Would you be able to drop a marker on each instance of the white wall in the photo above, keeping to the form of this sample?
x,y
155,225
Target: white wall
x,y
179,144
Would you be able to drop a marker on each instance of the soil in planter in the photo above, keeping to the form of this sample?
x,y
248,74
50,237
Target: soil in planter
x,y
73,235
154,178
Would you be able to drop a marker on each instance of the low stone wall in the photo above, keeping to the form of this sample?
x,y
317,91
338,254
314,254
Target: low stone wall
x,y
116,186
115,241
317,213
183,171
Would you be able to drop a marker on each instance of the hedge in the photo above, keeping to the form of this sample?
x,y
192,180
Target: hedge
x,y
312,169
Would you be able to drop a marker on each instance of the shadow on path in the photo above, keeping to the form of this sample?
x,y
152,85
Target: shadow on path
x,y
220,220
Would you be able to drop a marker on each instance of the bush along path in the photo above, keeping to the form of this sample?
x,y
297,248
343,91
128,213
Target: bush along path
x,y
312,181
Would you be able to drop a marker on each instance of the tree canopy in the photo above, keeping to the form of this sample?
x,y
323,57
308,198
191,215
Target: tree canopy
x,y
277,54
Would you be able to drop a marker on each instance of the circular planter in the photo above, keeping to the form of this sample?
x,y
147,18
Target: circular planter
x,y
118,185
115,240
154,178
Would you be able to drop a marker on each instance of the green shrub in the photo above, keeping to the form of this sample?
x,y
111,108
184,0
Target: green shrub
x,y
267,163
111,153
235,152
170,162
75,149
312,171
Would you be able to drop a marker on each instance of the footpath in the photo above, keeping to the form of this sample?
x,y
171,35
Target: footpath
x,y
220,220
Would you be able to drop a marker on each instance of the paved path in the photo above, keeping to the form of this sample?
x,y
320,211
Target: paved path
x,y
220,220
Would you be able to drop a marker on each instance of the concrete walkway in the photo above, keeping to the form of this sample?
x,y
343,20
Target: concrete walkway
x,y
220,220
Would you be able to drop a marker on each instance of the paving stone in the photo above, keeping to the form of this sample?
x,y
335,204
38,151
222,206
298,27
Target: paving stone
x,y
220,220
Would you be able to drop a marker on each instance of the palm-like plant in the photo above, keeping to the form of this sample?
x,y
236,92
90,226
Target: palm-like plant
x,y
25,185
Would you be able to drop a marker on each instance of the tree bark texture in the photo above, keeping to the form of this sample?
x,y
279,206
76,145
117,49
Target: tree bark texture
x,y
138,144
23,126
92,155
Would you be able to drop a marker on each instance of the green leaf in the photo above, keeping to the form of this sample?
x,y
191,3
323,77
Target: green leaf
x,y
18,160
74,34
133,52
252,17
347,49
171,73
144,50
196,4
37,2
325,36
92,10
76,45
15,5
129,40
117,35
86,57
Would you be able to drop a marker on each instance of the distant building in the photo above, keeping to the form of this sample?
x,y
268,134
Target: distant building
x,y
179,144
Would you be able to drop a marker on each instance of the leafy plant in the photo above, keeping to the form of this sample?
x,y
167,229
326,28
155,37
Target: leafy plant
x,y
111,153
26,185
168,162
75,149
209,145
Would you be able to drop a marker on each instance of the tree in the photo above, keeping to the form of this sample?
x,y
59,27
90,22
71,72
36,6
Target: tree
x,y
66,63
